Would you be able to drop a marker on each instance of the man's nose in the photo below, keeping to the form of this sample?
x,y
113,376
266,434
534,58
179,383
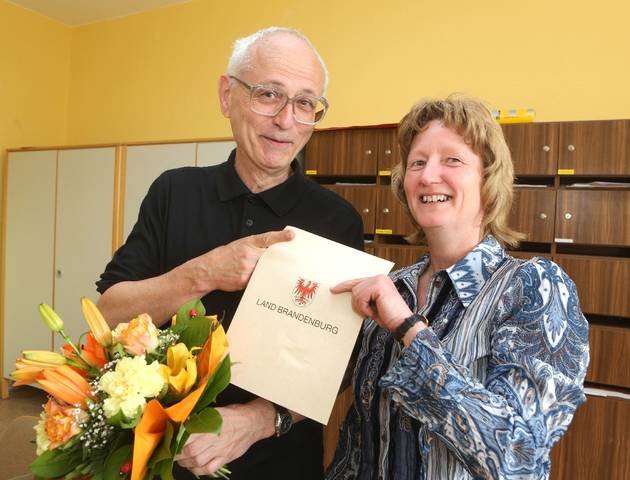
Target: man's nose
x,y
284,118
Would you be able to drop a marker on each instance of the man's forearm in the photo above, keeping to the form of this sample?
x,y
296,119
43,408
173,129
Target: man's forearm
x,y
160,297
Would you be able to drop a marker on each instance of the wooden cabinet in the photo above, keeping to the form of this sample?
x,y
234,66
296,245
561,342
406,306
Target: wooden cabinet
x,y
58,239
534,147
391,218
593,217
610,351
351,152
602,283
388,149
596,444
594,148
533,213
401,255
362,198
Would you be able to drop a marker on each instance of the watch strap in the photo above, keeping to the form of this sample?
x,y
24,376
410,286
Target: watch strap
x,y
407,323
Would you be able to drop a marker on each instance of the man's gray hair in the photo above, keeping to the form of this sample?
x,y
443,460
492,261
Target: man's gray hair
x,y
241,56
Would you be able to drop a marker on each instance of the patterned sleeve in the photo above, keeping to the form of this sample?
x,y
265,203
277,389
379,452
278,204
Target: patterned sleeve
x,y
505,427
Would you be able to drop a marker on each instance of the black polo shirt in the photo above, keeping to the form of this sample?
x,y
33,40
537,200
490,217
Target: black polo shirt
x,y
189,211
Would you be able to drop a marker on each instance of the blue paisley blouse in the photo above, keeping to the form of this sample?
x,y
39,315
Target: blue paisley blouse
x,y
486,391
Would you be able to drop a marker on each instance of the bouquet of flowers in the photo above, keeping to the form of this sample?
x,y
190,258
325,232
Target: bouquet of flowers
x,y
123,403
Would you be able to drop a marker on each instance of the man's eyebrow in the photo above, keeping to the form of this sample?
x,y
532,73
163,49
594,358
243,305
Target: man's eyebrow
x,y
280,85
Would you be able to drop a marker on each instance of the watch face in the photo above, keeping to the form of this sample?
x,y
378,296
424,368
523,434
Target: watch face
x,y
283,423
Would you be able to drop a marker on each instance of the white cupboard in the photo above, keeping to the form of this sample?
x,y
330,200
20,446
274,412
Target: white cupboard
x,y
58,240
144,163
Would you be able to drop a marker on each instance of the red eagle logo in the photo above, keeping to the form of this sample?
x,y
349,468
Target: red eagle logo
x,y
304,291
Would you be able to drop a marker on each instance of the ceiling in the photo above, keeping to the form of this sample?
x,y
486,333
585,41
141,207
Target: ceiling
x,y
81,12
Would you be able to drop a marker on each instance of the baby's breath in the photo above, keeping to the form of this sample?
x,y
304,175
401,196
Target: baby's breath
x,y
95,432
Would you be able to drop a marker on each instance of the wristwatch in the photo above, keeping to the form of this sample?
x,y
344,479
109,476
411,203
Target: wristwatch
x,y
407,323
284,420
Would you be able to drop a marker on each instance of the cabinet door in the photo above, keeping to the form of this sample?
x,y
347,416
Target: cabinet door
x,y
533,213
83,241
597,443
609,350
388,149
144,164
363,151
362,198
602,283
594,148
534,147
213,153
326,153
390,216
401,255
29,250
594,217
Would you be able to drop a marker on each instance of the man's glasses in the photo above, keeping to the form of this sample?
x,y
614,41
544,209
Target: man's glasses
x,y
269,101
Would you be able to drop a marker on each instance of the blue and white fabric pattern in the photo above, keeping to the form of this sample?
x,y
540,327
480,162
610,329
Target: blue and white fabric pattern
x,y
485,392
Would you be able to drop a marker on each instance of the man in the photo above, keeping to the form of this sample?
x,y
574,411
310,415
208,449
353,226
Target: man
x,y
200,232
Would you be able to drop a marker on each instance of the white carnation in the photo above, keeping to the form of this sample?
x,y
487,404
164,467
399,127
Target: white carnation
x,y
129,385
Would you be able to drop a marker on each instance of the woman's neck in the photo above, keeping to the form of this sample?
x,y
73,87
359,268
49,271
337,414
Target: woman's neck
x,y
448,249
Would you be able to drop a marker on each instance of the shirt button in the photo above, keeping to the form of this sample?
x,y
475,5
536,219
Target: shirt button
x,y
249,222
251,199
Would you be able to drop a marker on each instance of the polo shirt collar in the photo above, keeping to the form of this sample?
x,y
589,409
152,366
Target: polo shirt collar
x,y
281,198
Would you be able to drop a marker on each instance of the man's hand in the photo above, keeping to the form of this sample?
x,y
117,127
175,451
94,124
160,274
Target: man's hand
x,y
230,266
243,425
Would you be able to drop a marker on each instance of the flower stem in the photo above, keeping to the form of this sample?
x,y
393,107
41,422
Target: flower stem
x,y
69,341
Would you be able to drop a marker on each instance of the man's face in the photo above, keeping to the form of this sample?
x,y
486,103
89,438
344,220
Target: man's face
x,y
267,145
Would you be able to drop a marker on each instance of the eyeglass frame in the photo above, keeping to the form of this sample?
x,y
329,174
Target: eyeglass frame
x,y
288,100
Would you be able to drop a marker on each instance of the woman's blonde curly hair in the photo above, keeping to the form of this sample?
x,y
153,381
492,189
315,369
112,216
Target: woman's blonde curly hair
x,y
474,122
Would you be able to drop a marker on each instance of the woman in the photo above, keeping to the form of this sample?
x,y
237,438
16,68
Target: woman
x,y
472,362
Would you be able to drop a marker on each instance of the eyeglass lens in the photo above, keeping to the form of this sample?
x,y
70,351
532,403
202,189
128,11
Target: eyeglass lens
x,y
268,101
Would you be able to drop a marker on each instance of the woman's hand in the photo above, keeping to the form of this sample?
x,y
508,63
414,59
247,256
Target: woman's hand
x,y
378,298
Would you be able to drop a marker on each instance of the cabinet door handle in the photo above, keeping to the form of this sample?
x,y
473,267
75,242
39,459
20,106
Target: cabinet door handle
x,y
568,215
368,152
388,152
366,210
58,273
571,148
546,148
542,216
386,210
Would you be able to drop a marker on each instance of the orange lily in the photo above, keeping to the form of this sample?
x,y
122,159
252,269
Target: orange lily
x,y
32,364
65,384
152,426
98,326
91,351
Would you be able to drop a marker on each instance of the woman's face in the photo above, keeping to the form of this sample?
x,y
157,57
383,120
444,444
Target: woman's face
x,y
443,184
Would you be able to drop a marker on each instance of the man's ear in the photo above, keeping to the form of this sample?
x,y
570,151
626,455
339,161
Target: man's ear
x,y
224,95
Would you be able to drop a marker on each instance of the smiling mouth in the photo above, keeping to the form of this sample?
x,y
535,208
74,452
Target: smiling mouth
x,y
275,140
435,198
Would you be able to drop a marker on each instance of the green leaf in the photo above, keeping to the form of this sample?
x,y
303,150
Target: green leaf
x,y
122,421
183,314
216,384
180,440
163,451
196,333
206,421
56,463
115,460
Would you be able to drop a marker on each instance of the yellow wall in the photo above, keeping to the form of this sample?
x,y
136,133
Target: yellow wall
x,y
153,75
34,78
